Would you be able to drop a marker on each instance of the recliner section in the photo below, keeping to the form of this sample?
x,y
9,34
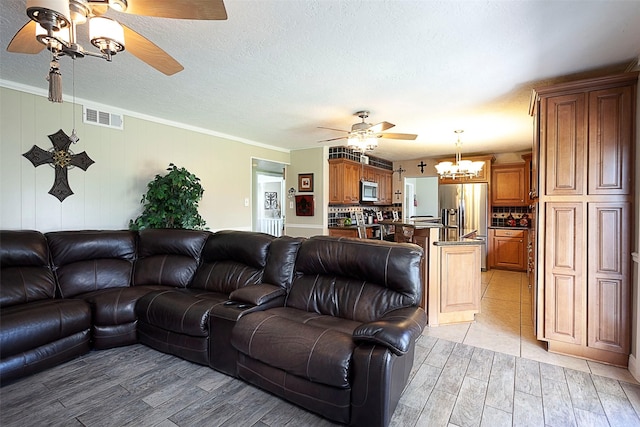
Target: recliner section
x,y
327,323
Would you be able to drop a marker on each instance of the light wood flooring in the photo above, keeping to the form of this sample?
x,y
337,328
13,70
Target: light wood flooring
x,y
452,384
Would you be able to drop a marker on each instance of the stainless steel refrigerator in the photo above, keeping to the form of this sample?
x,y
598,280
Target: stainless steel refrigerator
x,y
464,208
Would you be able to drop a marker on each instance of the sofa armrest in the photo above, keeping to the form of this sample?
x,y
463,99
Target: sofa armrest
x,y
257,294
397,330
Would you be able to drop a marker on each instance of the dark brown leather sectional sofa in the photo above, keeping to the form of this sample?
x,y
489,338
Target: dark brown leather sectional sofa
x,y
327,323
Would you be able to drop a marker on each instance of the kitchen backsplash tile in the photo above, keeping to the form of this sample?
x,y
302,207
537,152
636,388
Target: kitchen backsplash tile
x,y
500,214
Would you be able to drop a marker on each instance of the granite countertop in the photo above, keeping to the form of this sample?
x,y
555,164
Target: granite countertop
x,y
505,227
452,238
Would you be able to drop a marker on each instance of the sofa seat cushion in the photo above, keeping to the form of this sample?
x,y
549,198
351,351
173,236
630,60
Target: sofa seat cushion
x,y
183,311
309,345
116,306
27,326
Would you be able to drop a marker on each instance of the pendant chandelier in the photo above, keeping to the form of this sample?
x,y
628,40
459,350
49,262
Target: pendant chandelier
x,y
461,168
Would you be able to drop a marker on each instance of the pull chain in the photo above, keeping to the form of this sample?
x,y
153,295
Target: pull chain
x,y
74,136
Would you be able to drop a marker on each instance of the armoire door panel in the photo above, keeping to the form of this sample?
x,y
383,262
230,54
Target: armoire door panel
x,y
606,311
609,276
565,142
563,302
564,222
563,272
608,241
610,118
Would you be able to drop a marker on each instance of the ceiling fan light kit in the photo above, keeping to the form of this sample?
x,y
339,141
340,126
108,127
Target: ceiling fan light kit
x,y
53,23
461,168
107,35
364,136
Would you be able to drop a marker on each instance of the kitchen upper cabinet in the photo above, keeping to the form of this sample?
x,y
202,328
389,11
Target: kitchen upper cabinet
x,y
585,132
508,185
508,249
344,181
383,178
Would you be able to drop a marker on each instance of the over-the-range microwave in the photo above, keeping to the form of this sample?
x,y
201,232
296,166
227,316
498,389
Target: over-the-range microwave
x,y
368,191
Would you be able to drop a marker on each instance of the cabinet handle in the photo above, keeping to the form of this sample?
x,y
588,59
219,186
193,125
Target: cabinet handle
x,y
520,240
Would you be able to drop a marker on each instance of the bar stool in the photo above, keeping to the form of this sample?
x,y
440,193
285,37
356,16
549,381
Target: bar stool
x,y
404,233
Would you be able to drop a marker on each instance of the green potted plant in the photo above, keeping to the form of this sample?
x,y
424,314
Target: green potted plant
x,y
171,201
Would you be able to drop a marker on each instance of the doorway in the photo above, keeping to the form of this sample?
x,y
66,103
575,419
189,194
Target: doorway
x,y
268,191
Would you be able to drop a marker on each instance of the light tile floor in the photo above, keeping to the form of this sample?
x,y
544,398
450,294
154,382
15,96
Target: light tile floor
x,y
505,325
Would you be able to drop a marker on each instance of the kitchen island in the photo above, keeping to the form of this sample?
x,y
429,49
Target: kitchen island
x,y
451,269
454,284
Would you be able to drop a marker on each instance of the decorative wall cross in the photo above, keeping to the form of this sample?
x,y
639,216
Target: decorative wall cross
x,y
421,166
400,172
61,158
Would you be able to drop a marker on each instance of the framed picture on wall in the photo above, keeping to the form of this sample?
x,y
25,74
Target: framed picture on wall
x,y
305,182
304,205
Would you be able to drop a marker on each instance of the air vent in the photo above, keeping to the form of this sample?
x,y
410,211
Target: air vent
x,y
103,118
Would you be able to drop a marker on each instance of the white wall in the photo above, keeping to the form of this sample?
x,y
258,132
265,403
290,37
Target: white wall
x,y
108,194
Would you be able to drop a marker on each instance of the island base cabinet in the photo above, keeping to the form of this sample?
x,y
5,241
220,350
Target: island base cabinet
x,y
454,284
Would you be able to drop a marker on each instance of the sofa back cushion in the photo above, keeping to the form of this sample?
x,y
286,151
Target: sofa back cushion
x,y
232,260
281,261
25,274
168,257
355,279
89,260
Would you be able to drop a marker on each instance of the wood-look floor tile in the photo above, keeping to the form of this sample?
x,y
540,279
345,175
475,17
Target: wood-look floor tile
x,y
527,410
452,374
556,402
528,377
502,382
437,410
618,410
418,390
632,391
552,372
583,392
591,419
439,353
467,410
404,416
608,386
493,417
480,364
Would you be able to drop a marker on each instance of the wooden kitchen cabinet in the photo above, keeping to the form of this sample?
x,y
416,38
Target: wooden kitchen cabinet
x,y
585,132
508,185
508,249
454,284
383,178
344,181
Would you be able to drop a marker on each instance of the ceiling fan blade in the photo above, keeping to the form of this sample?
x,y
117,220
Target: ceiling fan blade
x,y
179,9
380,127
339,130
25,40
398,136
333,139
146,51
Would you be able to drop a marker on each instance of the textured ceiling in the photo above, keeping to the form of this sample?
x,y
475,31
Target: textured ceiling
x,y
277,69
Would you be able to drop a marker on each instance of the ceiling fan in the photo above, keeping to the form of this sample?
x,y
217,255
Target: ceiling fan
x,y
53,25
364,136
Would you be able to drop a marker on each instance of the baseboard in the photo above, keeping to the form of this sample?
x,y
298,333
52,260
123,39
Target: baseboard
x,y
634,368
